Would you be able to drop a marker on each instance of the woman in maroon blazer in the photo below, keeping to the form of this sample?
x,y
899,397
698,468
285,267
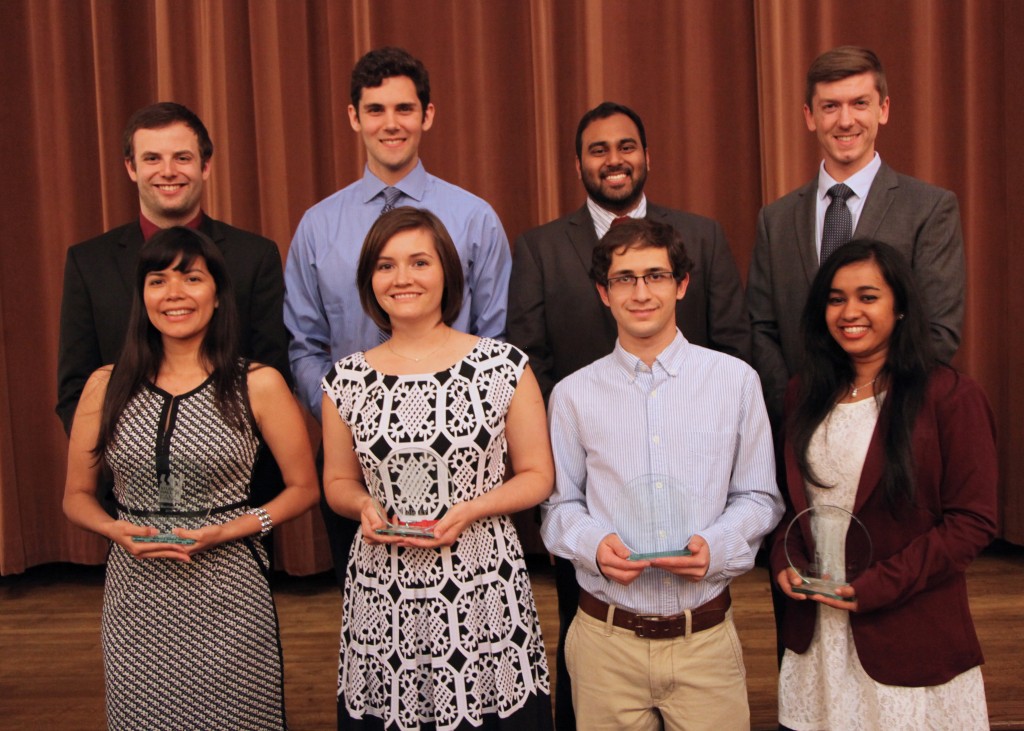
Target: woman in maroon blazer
x,y
875,426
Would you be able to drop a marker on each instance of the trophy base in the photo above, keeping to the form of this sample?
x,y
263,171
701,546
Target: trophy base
x,y
822,587
420,529
164,538
659,554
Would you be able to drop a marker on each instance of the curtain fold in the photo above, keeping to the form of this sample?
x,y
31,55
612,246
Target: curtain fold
x,y
719,85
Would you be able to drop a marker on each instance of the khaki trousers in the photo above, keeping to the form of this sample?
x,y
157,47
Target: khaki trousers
x,y
623,682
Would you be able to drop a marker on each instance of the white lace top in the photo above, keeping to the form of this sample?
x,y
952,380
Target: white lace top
x,y
826,687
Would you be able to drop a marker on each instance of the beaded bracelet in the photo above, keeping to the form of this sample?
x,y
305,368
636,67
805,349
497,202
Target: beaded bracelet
x,y
266,523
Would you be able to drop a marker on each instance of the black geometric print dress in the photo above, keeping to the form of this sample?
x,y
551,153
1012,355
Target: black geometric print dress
x,y
188,646
442,638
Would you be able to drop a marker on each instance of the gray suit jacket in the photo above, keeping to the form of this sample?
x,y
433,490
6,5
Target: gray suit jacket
x,y
920,220
556,315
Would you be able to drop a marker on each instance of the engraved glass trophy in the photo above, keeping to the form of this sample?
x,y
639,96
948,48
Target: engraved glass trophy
x,y
838,550
655,517
415,485
179,499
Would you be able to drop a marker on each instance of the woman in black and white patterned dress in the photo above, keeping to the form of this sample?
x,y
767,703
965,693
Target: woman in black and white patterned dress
x,y
189,629
440,631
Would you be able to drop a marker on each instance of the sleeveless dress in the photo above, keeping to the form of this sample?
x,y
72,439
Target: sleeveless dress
x,y
188,645
444,638
827,687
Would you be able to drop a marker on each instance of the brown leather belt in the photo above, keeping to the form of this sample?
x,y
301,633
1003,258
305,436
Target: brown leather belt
x,y
654,627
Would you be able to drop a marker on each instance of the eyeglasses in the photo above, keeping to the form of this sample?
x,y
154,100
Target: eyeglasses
x,y
651,279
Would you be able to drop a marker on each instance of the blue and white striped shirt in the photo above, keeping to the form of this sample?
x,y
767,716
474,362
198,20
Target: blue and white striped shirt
x,y
698,418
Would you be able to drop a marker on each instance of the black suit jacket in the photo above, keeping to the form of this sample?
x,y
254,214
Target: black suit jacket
x,y
98,284
556,315
918,219
99,279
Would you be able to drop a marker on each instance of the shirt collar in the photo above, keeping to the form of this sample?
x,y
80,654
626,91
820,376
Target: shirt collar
x,y
603,218
670,360
149,229
860,182
413,185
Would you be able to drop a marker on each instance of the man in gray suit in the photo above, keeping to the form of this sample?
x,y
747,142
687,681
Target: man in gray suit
x,y
846,104
556,315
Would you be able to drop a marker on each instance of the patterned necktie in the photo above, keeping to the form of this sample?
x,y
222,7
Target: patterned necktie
x,y
838,228
390,198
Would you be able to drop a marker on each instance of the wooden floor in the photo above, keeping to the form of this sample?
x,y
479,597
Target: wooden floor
x,y
51,669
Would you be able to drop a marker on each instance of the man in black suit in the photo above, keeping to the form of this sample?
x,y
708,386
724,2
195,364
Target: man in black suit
x,y
167,154
556,315
846,104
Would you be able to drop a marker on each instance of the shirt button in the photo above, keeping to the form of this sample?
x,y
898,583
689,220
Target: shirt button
x,y
661,534
654,393
659,484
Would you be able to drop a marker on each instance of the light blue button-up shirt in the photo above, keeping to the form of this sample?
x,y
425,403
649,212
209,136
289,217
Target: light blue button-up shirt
x,y
321,304
696,417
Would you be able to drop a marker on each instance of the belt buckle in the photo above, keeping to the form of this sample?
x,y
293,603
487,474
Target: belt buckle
x,y
647,625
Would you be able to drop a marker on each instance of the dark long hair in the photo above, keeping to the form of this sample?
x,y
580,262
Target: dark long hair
x,y
143,350
827,370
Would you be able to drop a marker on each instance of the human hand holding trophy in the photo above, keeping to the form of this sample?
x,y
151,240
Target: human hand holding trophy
x,y
838,550
656,517
415,485
177,500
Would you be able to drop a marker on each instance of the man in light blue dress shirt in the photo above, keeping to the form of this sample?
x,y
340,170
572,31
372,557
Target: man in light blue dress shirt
x,y
390,109
653,641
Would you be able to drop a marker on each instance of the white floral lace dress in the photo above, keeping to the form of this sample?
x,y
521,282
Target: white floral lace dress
x,y
826,687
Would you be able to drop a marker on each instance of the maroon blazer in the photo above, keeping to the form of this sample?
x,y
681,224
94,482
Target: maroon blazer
x,y
913,626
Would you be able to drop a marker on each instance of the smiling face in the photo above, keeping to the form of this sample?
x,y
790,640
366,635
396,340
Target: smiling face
x,y
169,173
180,301
408,278
845,115
391,121
861,312
613,164
645,313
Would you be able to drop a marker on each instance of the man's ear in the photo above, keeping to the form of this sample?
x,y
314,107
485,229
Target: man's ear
x,y
579,170
602,290
129,165
681,287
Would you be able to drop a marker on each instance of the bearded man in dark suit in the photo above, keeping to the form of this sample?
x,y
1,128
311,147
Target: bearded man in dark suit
x,y
556,315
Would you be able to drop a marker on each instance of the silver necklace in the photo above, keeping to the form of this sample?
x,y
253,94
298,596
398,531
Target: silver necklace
x,y
422,357
854,388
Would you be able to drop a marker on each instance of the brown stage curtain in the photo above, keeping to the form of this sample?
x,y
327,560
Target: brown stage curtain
x,y
718,82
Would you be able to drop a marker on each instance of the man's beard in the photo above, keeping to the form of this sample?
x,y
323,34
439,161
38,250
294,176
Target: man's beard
x,y
619,204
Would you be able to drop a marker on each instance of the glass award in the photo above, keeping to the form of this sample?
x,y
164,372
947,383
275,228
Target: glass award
x,y
838,550
415,485
655,517
179,499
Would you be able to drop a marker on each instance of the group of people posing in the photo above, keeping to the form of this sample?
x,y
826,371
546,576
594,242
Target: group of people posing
x,y
609,368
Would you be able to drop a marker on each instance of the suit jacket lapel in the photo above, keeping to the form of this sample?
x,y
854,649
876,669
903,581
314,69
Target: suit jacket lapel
x,y
880,197
804,224
582,236
126,256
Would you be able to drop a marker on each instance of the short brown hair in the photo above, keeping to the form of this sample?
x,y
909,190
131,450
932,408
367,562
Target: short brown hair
x,y
164,114
842,62
407,218
640,233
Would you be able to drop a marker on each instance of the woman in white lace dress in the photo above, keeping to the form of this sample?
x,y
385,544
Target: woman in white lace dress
x,y
876,427
439,631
